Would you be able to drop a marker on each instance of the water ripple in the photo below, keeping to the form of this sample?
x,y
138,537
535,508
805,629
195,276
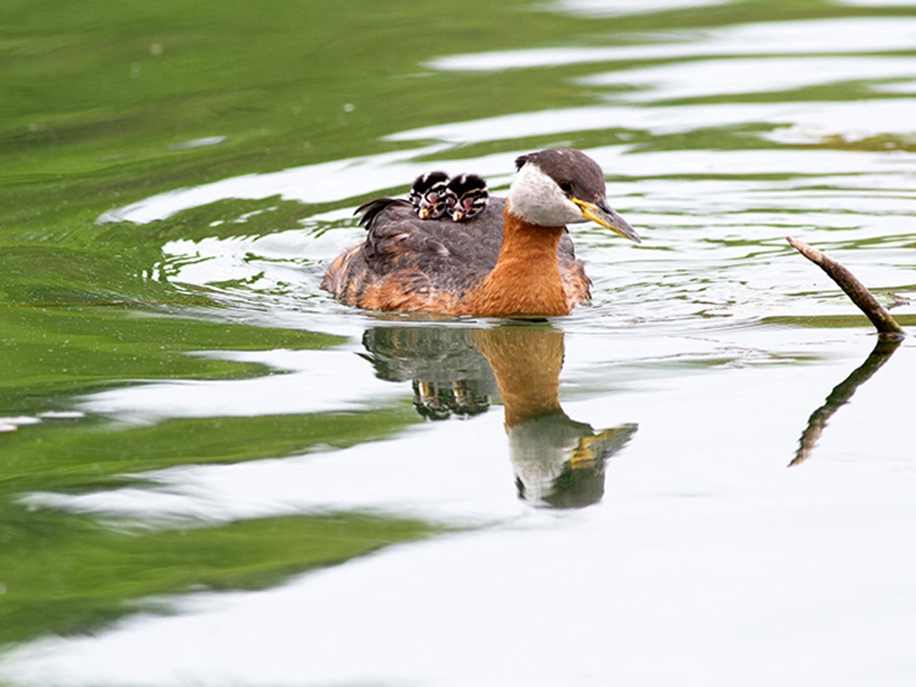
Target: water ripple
x,y
816,36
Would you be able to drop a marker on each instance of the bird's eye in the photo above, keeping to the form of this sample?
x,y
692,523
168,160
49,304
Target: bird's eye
x,y
566,187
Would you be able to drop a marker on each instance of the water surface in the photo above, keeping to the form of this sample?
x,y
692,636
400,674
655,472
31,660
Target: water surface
x,y
213,473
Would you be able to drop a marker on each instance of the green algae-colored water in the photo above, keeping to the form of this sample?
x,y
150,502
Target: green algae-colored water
x,y
211,473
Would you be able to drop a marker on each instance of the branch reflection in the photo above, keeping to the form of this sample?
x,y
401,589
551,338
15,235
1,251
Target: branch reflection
x,y
558,461
841,394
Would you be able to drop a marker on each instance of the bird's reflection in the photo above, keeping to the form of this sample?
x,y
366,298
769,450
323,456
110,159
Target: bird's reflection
x,y
841,394
558,461
449,376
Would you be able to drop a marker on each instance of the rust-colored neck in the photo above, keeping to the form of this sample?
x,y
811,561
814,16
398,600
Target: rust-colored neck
x,y
526,279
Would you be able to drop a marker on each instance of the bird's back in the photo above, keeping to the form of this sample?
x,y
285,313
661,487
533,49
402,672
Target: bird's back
x,y
413,265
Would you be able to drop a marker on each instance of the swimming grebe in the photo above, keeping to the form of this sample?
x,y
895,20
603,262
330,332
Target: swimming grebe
x,y
466,196
514,259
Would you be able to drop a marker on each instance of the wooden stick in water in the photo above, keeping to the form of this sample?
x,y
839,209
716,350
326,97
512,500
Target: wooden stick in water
x,y
861,296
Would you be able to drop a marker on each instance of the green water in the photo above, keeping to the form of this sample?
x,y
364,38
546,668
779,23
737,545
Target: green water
x,y
104,104
99,102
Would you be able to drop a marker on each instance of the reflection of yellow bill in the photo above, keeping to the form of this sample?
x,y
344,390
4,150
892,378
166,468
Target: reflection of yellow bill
x,y
583,456
593,449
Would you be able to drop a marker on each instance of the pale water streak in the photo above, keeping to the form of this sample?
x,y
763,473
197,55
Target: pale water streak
x,y
832,36
612,8
335,381
852,119
731,76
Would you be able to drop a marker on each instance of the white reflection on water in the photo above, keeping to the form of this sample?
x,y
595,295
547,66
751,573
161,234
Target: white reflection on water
x,y
837,36
319,183
854,119
435,473
879,3
312,382
612,8
730,76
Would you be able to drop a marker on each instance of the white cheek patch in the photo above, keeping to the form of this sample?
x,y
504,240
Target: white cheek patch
x,y
536,197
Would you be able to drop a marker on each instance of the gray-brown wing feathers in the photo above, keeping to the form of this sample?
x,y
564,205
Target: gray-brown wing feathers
x,y
430,256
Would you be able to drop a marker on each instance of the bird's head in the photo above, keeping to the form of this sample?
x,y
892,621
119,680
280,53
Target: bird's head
x,y
427,195
553,188
467,197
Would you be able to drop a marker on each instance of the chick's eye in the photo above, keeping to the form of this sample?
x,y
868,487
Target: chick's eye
x,y
566,187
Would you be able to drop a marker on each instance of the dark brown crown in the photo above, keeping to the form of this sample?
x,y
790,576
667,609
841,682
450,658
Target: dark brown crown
x,y
574,171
